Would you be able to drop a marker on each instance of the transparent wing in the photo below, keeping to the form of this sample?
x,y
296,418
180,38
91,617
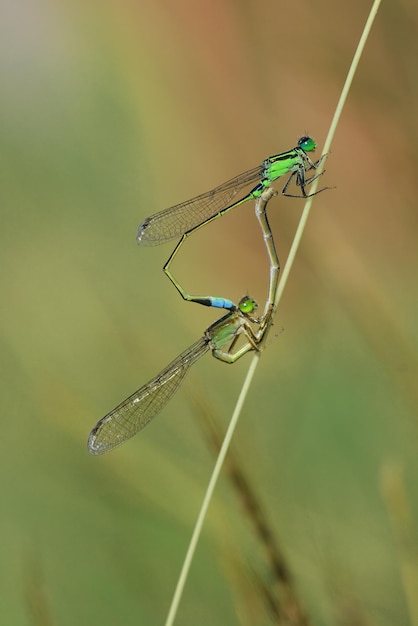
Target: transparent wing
x,y
135,412
178,219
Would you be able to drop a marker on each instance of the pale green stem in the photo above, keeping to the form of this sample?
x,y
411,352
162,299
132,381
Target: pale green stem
x,y
254,362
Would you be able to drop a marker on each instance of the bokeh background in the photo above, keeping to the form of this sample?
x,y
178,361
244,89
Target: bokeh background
x,y
109,112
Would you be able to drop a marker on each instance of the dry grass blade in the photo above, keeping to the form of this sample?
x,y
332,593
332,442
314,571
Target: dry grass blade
x,y
279,592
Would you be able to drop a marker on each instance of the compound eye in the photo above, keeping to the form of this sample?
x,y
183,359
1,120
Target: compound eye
x,y
307,144
247,305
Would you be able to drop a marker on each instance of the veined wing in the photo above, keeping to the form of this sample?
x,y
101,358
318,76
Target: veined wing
x,y
175,221
135,412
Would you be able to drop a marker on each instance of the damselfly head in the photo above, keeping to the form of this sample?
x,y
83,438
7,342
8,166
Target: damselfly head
x,y
247,305
307,144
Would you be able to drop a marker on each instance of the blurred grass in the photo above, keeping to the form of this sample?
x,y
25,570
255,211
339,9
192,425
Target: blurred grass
x,y
109,113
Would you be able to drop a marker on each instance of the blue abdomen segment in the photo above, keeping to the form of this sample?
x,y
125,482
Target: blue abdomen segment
x,y
217,303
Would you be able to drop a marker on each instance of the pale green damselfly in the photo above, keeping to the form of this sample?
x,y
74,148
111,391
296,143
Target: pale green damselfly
x,y
135,412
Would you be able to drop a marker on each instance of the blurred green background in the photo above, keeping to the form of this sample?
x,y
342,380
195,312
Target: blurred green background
x,y
109,112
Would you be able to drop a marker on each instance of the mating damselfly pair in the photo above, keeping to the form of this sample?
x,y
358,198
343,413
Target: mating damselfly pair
x,y
221,337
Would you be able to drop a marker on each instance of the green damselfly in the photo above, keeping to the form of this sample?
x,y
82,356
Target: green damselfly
x,y
185,218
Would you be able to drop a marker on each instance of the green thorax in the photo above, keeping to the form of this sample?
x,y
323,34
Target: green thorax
x,y
284,163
